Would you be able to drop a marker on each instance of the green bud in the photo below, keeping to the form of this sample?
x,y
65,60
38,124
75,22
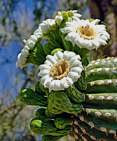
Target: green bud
x,y
56,50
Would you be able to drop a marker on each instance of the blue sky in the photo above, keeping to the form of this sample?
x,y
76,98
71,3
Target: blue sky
x,y
9,73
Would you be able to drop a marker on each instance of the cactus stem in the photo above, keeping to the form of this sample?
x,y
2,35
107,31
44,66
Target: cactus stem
x,y
91,97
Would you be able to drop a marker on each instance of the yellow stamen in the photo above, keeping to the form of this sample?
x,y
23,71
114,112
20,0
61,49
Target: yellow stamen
x,y
60,70
86,32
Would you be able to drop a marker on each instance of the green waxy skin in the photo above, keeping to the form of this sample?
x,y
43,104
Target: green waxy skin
x,y
109,62
75,95
103,100
81,84
101,73
102,86
103,113
58,103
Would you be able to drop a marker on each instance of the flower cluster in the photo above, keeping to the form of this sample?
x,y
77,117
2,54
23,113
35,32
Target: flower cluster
x,y
61,70
68,84
30,43
70,15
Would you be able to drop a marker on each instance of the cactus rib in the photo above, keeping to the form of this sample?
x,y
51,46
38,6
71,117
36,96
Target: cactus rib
x,y
109,115
109,62
102,86
107,100
101,73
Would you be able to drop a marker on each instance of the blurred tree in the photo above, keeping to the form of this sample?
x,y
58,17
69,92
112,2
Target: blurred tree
x,y
80,5
106,10
14,122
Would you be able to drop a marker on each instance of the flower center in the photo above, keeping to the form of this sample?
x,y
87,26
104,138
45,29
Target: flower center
x,y
60,70
87,32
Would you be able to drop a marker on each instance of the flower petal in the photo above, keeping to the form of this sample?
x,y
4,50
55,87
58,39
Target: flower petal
x,y
59,55
51,58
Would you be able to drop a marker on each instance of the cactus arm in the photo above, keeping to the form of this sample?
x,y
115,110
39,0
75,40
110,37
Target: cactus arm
x,y
102,86
101,73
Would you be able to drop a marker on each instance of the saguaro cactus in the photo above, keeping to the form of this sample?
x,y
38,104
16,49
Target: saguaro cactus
x,y
75,97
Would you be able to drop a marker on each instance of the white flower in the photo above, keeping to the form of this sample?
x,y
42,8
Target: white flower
x,y
22,57
60,71
29,44
46,25
75,13
86,34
